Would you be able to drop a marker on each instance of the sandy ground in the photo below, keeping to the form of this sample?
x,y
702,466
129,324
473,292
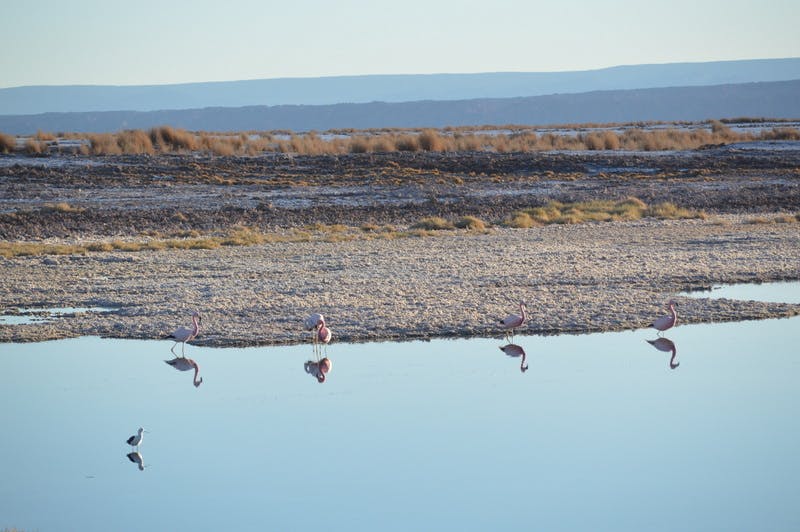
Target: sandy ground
x,y
574,278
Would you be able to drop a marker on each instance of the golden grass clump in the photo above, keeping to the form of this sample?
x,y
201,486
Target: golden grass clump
x,y
35,147
785,219
359,144
430,140
471,222
43,136
670,211
61,207
521,220
7,143
134,141
781,133
433,223
406,143
168,138
596,211
104,144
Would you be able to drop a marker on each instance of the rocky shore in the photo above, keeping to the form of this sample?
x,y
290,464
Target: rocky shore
x,y
575,278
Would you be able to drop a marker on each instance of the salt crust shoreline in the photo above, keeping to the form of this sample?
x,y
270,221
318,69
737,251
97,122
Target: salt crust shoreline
x,y
574,278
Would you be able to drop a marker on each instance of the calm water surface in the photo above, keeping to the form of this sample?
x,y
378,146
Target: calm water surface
x,y
600,433
784,292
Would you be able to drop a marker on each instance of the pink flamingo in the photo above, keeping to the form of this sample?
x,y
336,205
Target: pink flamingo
x,y
666,345
324,334
185,364
668,321
313,322
183,335
512,321
514,350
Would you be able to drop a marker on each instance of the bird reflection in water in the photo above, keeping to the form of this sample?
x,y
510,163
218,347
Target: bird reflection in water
x,y
186,364
136,458
514,350
666,345
318,369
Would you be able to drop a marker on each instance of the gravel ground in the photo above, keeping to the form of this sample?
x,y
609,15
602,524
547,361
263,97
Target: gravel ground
x,y
574,278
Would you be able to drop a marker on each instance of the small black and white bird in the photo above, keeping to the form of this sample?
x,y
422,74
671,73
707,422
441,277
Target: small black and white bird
x,y
136,439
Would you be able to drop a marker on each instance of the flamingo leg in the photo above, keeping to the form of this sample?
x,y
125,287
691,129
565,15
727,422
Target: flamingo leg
x,y
173,348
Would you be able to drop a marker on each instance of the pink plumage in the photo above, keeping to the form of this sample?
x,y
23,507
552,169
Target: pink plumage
x,y
668,321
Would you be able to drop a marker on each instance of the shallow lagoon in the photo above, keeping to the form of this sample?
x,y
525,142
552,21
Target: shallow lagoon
x,y
599,433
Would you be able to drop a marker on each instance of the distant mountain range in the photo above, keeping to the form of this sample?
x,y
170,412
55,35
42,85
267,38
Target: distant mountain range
x,y
388,88
779,99
679,91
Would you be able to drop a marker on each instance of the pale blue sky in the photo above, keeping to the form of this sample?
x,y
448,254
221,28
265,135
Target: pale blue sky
x,y
56,42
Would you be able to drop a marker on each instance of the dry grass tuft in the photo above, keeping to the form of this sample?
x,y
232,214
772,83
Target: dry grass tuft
x,y
596,211
61,207
35,147
43,136
433,223
670,211
472,223
7,143
134,141
430,140
171,139
521,220
104,144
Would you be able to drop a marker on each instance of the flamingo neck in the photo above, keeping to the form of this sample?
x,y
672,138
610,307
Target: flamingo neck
x,y
674,314
672,363
196,325
196,371
522,310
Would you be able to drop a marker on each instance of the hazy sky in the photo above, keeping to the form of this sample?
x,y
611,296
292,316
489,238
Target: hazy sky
x,y
56,42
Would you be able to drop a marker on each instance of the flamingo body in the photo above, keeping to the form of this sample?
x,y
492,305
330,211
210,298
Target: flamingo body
x,y
313,321
668,321
324,334
512,321
183,335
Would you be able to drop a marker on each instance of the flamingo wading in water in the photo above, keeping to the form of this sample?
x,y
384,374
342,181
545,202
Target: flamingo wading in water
x,y
324,334
312,323
668,321
183,335
512,321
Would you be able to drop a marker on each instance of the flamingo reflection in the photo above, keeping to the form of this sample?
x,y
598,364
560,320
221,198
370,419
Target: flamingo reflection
x,y
318,369
514,350
136,458
666,345
186,364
